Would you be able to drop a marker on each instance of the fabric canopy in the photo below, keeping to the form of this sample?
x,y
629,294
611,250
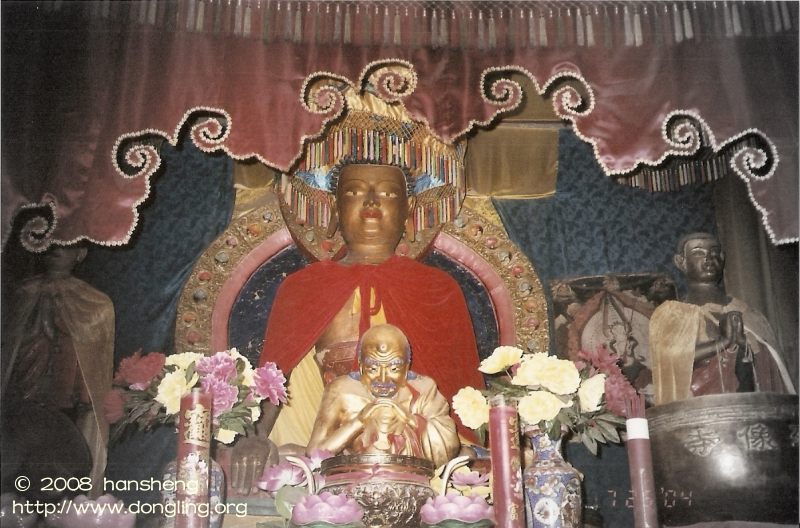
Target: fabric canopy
x,y
91,88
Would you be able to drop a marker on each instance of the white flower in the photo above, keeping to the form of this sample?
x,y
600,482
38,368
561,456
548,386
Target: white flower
x,y
591,391
539,406
528,372
172,388
183,360
560,376
225,436
502,358
471,406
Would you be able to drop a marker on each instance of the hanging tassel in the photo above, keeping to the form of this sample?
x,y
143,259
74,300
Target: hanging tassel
x,y
297,36
151,12
687,24
434,25
560,37
776,17
397,34
607,28
387,26
337,24
492,32
189,14
200,20
265,22
676,18
543,30
736,20
638,40
787,18
348,26
726,12
531,28
237,20
590,27
628,27
444,33
580,39
481,36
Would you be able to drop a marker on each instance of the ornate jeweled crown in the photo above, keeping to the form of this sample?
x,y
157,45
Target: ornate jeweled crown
x,y
374,131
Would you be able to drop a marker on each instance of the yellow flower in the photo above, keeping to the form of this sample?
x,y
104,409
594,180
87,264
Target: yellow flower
x,y
591,392
172,388
225,436
559,376
528,373
538,406
470,405
184,359
502,358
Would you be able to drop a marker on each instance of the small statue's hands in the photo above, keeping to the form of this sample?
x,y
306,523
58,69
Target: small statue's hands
x,y
731,328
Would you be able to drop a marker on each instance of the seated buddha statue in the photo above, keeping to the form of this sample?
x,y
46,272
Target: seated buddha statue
x,y
384,407
321,311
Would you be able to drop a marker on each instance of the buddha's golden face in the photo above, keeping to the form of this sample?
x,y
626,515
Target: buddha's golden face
x,y
372,204
384,361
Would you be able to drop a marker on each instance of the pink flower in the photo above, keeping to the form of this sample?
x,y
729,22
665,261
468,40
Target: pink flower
x,y
327,507
284,474
458,507
470,478
223,393
315,458
221,366
601,359
137,371
270,383
617,387
114,405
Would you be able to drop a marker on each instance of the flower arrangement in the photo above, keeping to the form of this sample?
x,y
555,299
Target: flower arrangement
x,y
148,389
585,397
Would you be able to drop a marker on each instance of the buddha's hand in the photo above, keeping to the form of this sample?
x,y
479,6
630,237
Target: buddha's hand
x,y
249,456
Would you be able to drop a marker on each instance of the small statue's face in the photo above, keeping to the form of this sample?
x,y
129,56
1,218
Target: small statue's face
x,y
703,260
372,204
384,362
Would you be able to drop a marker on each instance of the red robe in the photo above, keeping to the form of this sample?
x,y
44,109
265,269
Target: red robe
x,y
424,302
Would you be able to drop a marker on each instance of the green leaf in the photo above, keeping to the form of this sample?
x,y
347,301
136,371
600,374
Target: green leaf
x,y
590,444
609,431
190,372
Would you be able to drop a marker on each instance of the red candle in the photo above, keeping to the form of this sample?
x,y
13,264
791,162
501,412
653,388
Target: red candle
x,y
506,463
194,461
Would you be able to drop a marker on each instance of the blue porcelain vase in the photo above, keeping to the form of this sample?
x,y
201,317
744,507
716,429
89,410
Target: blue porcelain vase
x,y
216,495
552,486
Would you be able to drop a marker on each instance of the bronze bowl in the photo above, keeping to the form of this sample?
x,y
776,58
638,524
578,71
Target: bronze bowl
x,y
726,457
390,488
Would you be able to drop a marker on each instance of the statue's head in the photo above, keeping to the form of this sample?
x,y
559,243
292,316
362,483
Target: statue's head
x,y
373,202
700,257
384,357
385,139
61,261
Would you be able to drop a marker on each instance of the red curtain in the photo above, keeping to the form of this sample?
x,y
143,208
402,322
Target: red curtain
x,y
89,89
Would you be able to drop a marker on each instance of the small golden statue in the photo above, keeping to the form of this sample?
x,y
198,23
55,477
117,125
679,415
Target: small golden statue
x,y
385,407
